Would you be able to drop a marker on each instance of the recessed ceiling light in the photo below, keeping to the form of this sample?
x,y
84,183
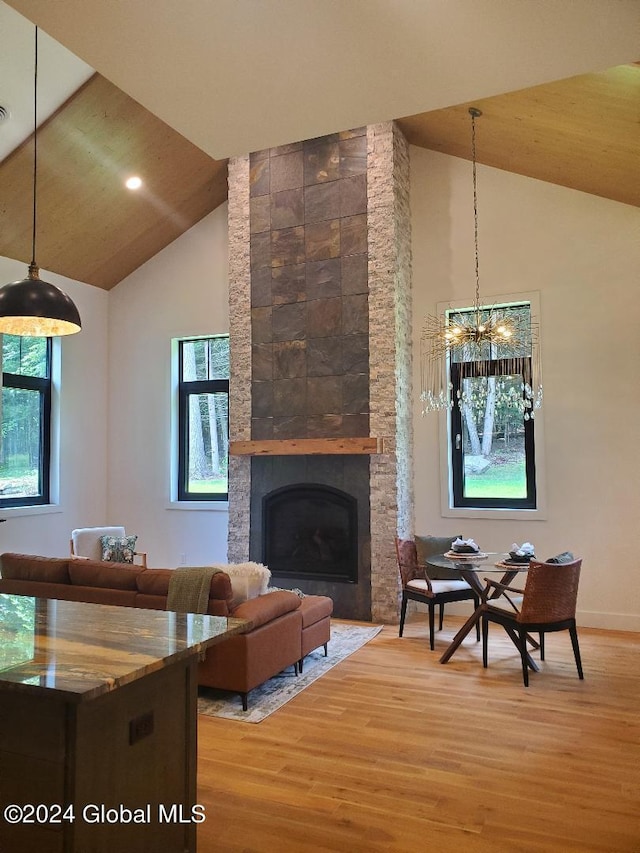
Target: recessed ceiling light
x,y
133,183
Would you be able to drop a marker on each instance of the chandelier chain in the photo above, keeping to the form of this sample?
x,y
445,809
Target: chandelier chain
x,y
475,209
35,149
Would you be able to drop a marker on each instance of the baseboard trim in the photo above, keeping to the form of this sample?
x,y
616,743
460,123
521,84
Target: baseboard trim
x,y
609,621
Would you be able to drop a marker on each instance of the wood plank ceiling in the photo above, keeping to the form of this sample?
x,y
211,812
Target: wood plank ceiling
x,y
90,227
582,133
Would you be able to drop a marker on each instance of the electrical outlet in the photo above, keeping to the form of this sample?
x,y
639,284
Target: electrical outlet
x,y
141,727
183,559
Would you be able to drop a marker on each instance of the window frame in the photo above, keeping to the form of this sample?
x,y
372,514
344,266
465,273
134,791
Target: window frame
x,y
440,464
493,367
187,388
44,386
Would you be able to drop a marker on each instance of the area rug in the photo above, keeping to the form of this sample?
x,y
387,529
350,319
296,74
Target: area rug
x,y
277,691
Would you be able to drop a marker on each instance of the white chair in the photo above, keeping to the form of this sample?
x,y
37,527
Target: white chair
x,y
85,543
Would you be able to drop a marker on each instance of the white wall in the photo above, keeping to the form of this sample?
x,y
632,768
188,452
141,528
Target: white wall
x,y
181,291
582,254
81,400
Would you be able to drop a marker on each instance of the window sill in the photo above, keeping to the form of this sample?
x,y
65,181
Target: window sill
x,y
37,509
493,513
212,506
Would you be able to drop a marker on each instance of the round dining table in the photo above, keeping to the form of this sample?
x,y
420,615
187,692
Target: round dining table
x,y
470,568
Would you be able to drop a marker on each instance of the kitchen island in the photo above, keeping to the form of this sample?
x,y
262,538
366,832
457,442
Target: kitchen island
x,y
98,743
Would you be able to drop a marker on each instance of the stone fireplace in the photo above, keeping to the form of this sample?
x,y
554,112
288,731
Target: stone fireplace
x,y
320,326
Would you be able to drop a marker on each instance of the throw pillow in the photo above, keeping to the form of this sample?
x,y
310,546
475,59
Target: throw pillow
x,y
429,546
565,557
248,580
118,549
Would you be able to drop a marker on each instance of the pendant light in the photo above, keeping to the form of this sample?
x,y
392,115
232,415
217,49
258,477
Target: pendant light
x,y
33,307
473,339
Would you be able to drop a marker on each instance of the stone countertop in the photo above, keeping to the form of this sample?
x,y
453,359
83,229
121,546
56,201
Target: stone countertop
x,y
76,651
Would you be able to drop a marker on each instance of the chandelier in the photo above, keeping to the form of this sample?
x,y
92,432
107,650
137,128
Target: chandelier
x,y
495,348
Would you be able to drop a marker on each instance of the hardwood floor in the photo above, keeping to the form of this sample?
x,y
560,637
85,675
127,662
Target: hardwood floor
x,y
392,751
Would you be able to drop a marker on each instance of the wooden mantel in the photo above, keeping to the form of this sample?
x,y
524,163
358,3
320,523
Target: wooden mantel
x,y
307,446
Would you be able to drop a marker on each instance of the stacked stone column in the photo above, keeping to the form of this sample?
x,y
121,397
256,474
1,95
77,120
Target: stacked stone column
x,y
386,314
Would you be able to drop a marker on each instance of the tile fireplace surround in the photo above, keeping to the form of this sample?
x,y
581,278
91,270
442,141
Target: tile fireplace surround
x,y
320,336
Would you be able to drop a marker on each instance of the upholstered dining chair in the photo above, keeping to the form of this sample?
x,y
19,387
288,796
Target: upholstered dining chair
x,y
86,543
548,604
417,585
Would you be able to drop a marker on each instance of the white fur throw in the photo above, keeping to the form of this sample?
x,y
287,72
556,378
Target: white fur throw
x,y
248,580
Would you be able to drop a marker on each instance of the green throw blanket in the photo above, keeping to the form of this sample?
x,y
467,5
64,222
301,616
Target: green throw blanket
x,y
189,589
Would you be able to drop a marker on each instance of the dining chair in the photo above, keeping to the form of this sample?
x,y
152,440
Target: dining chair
x,y
418,586
548,604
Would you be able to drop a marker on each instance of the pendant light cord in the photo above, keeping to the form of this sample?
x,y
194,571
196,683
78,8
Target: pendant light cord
x,y
34,308
474,113
35,149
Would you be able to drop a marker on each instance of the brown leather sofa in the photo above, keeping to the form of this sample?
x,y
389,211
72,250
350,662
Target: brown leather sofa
x,y
284,628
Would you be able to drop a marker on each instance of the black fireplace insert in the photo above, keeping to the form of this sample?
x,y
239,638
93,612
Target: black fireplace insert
x,y
310,531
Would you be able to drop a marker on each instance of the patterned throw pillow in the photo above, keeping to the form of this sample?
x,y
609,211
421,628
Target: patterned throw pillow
x,y
118,549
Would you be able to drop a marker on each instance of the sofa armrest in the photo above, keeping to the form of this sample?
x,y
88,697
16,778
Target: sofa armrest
x,y
265,608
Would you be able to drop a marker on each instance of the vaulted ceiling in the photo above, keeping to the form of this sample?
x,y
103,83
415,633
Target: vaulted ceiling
x,y
90,227
224,78
582,132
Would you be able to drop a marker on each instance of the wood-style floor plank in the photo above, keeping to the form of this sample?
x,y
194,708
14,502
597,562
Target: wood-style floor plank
x,y
392,751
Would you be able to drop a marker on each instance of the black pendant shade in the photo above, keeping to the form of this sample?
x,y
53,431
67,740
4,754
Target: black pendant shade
x,y
32,307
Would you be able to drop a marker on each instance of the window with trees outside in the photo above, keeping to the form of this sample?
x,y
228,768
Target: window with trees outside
x,y
491,434
203,419
25,415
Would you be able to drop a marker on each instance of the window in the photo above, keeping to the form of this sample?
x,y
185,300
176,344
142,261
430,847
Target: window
x,y
491,430
203,419
25,448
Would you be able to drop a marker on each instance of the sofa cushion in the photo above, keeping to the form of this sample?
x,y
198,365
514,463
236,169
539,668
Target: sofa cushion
x,y
99,595
156,582
315,608
36,589
105,575
28,567
265,608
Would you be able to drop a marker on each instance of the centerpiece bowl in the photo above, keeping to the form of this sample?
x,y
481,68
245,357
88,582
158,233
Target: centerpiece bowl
x,y
520,558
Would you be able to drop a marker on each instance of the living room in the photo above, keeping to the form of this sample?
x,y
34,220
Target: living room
x,y
579,253
117,468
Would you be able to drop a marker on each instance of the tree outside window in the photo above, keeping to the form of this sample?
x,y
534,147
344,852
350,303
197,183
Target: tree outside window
x,y
26,421
203,428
